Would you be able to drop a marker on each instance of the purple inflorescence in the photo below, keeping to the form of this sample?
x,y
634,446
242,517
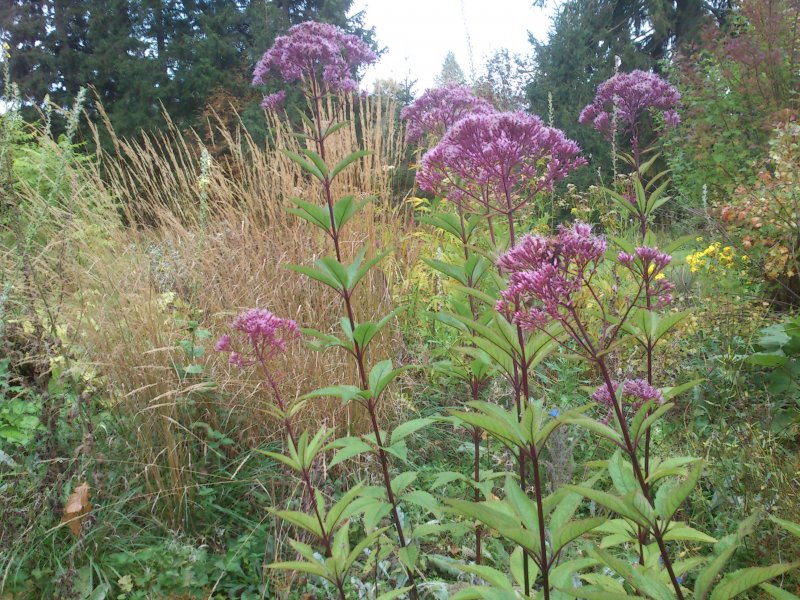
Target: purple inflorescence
x,y
266,334
635,392
438,109
648,264
547,273
315,53
631,94
497,161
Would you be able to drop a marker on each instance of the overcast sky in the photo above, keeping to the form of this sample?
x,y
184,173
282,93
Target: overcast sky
x,y
420,33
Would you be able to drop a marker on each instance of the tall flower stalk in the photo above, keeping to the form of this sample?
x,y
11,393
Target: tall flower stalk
x,y
322,59
494,164
428,119
550,279
622,104
266,336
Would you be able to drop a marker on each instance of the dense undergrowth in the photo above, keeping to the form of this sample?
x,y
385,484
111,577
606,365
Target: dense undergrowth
x,y
446,437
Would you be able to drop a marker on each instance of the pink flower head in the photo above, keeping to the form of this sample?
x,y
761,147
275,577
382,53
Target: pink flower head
x,y
314,52
547,273
634,391
273,101
632,94
438,109
498,160
265,333
648,264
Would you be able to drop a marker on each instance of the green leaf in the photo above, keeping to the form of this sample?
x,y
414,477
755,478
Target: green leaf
x,y
342,509
777,592
394,593
402,481
323,276
333,128
622,475
517,565
681,532
591,592
616,504
348,447
489,575
304,164
422,499
345,209
313,213
452,271
742,580
671,392
670,497
301,520
346,392
347,160
317,160
304,567
789,526
573,530
381,375
406,428
702,584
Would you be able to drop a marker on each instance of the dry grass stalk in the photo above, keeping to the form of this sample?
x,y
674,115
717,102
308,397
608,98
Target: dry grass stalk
x,y
123,285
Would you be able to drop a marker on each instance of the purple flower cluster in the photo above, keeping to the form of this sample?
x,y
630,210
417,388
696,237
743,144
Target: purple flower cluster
x,y
497,161
635,391
631,94
438,109
547,273
648,264
315,53
266,334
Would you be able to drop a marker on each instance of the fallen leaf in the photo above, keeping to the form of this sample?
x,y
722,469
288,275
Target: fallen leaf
x,y
77,508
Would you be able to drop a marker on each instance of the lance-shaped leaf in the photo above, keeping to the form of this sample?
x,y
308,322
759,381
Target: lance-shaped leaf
x,y
347,160
724,550
498,516
381,375
364,333
491,576
313,568
572,531
742,580
347,393
407,428
305,164
345,209
313,213
348,447
452,271
317,161
778,593
622,506
360,267
301,520
789,526
670,497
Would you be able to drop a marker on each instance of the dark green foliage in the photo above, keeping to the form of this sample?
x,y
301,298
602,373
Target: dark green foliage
x,y
146,56
578,56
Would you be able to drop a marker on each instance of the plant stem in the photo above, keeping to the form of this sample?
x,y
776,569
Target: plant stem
x,y
310,490
631,450
522,372
358,352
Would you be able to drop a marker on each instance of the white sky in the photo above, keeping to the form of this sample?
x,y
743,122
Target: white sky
x,y
418,34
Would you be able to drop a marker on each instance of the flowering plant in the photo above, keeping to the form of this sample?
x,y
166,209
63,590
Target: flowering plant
x,y
318,55
438,109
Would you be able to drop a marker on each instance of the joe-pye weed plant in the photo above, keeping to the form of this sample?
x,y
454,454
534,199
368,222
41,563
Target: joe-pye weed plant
x,y
321,59
569,289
